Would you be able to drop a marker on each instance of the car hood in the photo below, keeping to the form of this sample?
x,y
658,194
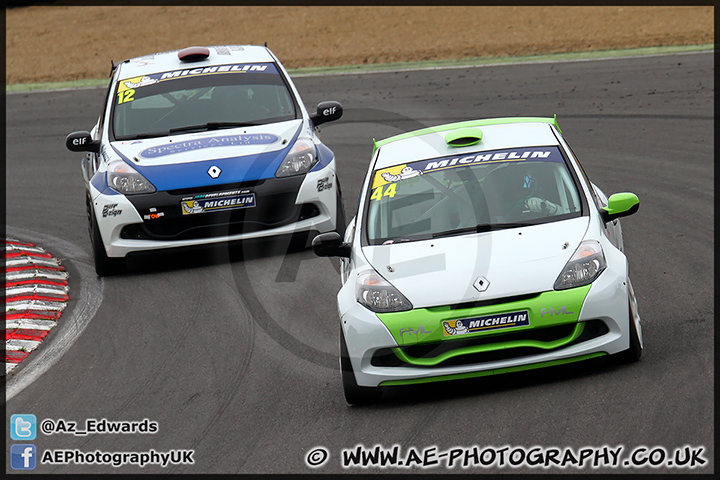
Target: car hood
x,y
512,262
183,161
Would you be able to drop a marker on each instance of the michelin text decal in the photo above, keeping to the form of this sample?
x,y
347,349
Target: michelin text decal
x,y
191,206
481,324
411,170
152,79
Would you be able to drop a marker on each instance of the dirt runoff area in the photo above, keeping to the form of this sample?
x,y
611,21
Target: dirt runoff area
x,y
63,43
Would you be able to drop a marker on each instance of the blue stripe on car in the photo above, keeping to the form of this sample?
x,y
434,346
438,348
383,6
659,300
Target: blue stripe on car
x,y
195,174
325,156
98,181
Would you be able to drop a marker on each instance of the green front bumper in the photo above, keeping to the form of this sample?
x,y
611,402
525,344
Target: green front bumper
x,y
496,371
495,325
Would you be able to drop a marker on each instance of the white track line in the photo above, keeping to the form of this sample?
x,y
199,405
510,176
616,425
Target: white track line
x,y
86,300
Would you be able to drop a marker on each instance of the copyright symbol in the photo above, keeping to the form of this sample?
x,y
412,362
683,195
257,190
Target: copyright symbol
x,y
47,427
317,457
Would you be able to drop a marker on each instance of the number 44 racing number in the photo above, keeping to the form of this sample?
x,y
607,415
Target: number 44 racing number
x,y
389,192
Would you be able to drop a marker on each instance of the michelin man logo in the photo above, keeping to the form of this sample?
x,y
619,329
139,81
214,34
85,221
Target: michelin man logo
x,y
143,82
459,328
192,207
405,173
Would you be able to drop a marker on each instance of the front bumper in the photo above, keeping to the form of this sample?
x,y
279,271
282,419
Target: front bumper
x,y
412,347
156,221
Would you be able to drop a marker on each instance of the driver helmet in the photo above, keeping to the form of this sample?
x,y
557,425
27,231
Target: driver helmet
x,y
530,185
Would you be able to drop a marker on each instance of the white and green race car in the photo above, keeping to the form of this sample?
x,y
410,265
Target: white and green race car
x,y
480,248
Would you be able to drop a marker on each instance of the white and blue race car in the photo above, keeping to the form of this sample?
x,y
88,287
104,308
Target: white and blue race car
x,y
204,145
479,248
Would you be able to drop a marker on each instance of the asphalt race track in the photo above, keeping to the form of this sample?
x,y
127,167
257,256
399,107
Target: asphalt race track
x,y
233,352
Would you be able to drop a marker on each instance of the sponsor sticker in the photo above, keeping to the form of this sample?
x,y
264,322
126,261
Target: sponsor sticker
x,y
404,171
153,78
139,82
209,142
489,322
324,184
111,210
216,202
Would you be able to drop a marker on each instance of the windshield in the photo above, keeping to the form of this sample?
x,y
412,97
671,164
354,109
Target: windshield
x,y
472,193
200,99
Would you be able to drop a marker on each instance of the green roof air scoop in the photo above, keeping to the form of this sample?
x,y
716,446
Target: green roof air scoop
x,y
463,137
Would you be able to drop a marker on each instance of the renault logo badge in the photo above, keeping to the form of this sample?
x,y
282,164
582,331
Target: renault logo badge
x,y
214,172
481,284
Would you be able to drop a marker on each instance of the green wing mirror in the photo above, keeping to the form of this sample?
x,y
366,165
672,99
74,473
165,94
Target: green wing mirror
x,y
620,205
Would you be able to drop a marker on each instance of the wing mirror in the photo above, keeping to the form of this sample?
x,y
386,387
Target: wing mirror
x,y
330,244
620,205
81,142
326,112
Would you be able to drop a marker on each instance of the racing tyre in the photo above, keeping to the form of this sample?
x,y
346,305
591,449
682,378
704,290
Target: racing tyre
x,y
104,265
354,394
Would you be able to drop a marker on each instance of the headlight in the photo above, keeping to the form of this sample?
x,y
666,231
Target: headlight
x,y
300,159
126,180
378,295
586,264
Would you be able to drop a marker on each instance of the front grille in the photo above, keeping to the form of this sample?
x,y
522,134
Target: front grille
x,y
212,225
164,219
385,357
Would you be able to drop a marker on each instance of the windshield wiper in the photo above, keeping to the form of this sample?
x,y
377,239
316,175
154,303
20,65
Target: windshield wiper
x,y
213,126
457,231
499,226
390,241
483,227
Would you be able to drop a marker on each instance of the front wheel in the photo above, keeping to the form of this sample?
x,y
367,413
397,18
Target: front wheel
x,y
104,265
354,394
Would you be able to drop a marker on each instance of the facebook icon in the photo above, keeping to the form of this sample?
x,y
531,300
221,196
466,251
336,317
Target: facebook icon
x,y
22,457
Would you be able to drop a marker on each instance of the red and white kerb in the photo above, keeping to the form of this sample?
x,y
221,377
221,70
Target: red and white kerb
x,y
36,293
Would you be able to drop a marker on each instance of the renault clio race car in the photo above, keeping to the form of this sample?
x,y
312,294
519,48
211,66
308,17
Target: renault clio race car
x,y
204,145
479,248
